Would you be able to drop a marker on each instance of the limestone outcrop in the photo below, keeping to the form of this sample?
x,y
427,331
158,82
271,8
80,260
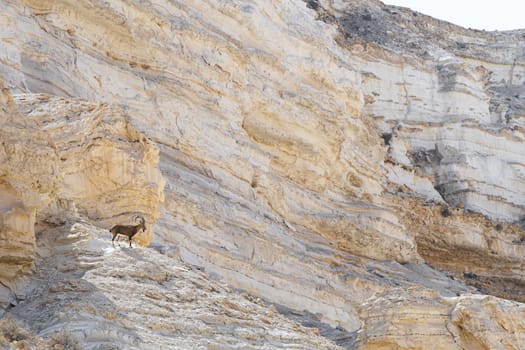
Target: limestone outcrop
x,y
16,220
451,109
421,319
63,159
354,164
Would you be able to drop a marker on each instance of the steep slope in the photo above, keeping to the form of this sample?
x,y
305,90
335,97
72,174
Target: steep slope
x,y
122,298
100,296
314,154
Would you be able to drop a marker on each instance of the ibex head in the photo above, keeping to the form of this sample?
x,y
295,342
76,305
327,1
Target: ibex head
x,y
142,221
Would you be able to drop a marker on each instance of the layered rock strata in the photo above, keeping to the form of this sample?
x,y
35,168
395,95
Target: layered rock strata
x,y
449,102
88,293
63,159
315,153
121,298
411,319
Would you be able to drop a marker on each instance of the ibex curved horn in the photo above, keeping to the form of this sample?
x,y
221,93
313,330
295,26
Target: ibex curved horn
x,y
142,220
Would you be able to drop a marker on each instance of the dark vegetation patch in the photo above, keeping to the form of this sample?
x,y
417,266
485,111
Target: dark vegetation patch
x,y
387,137
470,275
322,14
313,4
445,212
424,157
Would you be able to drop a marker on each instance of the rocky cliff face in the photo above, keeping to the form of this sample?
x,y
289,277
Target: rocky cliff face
x,y
65,159
357,166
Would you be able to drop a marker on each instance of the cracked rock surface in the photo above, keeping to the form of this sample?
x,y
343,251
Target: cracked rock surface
x,y
357,170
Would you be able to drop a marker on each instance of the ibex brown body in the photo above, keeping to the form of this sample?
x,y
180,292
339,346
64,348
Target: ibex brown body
x,y
128,230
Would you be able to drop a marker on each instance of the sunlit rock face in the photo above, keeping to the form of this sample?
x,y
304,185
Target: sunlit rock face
x,y
102,297
62,159
451,100
420,319
315,153
450,103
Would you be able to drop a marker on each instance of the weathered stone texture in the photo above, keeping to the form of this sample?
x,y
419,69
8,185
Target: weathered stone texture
x,y
62,159
317,154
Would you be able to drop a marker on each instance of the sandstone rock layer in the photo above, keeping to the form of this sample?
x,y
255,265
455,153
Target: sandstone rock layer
x,y
344,159
63,159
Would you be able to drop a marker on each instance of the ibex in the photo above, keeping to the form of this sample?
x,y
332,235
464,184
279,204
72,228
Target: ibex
x,y
128,230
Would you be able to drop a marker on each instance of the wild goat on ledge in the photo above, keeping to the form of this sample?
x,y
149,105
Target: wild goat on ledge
x,y
128,230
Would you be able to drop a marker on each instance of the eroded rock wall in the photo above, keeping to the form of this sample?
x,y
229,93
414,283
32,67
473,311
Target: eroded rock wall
x,y
315,153
97,296
451,100
63,159
263,147
417,319
450,103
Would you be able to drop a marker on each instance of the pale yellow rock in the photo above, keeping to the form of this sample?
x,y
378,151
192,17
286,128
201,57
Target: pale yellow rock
x,y
315,154
485,322
412,319
421,319
65,159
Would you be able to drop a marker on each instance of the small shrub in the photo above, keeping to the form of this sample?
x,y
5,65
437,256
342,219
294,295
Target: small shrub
x,y
11,330
445,212
498,227
522,223
387,137
470,275
366,16
313,4
64,340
